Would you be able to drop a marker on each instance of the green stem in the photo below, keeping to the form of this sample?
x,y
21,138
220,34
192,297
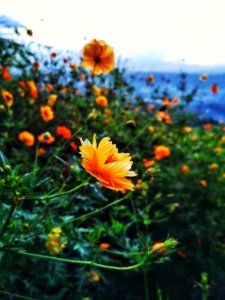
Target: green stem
x,y
36,158
51,198
66,192
96,211
12,295
146,285
8,219
80,262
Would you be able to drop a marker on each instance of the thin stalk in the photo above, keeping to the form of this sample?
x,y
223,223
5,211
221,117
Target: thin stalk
x,y
96,211
16,296
8,219
146,285
80,262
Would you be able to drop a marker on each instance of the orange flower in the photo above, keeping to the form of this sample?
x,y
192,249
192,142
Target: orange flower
x,y
7,97
33,89
102,101
218,149
36,65
208,126
47,113
104,246
161,152
73,146
164,116
108,112
203,77
150,107
203,183
213,167
22,84
98,56
27,138
94,276
214,88
107,165
150,79
64,132
185,169
46,137
5,74
50,87
166,102
41,152
73,67
52,99
147,163
175,100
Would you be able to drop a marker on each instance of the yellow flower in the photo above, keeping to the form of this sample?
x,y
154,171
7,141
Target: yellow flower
x,y
203,183
55,243
98,56
107,165
52,99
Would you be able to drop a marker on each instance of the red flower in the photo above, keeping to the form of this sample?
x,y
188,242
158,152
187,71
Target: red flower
x,y
64,132
214,88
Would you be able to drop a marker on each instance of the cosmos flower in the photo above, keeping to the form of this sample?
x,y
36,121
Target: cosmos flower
x,y
46,138
5,74
98,56
101,101
27,138
161,152
64,132
47,113
7,97
107,165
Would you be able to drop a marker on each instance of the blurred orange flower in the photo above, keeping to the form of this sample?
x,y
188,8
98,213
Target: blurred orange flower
x,y
22,84
218,149
150,79
64,132
94,276
41,152
46,138
73,146
164,117
214,88
203,183
208,126
73,67
7,97
104,246
107,165
52,99
213,167
150,107
161,152
175,100
47,113
102,101
166,102
36,65
5,74
27,138
185,169
147,162
203,77
98,56
33,89
151,129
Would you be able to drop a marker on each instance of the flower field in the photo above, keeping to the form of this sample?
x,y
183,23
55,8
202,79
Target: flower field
x,y
105,195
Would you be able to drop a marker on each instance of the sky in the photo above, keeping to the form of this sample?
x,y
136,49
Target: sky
x,y
144,31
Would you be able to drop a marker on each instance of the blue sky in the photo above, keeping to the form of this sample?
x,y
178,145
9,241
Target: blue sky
x,y
189,32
